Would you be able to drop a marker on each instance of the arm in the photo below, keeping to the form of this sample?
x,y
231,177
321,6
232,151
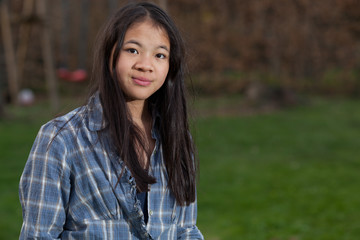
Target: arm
x,y
187,228
44,187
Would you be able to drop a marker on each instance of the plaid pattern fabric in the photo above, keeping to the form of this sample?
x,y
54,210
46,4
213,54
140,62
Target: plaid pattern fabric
x,y
69,190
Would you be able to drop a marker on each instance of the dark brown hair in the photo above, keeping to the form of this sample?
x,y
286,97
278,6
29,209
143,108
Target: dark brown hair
x,y
169,101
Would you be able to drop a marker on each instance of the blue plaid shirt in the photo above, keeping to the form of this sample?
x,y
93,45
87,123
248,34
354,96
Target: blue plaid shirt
x,y
68,188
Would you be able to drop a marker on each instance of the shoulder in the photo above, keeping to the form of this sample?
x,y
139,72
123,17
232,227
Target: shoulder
x,y
88,117
53,129
71,120
52,136
71,133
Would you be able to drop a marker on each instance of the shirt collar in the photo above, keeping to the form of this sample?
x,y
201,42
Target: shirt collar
x,y
96,121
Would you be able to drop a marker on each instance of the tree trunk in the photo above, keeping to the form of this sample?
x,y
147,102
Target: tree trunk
x,y
48,57
1,104
9,52
24,38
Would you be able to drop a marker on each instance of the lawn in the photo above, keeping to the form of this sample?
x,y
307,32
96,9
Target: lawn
x,y
285,175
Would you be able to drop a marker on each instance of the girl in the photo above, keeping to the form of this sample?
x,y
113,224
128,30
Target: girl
x,y
122,166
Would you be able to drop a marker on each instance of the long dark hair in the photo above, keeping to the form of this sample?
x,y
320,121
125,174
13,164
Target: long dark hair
x,y
169,101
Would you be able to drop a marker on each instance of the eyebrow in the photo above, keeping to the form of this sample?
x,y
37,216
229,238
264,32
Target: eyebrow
x,y
139,44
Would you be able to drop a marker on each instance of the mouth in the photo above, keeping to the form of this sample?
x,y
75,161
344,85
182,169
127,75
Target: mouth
x,y
141,81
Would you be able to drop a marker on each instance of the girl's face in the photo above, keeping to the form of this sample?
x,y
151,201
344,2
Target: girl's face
x,y
143,62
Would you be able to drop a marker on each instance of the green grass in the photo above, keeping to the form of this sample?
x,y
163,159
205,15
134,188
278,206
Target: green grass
x,y
286,175
15,143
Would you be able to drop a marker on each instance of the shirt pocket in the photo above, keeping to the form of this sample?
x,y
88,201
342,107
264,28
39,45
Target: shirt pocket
x,y
93,198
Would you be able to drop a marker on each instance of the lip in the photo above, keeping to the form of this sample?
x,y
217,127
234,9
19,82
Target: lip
x,y
141,81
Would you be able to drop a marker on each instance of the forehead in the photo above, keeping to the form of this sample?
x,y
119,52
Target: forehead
x,y
147,30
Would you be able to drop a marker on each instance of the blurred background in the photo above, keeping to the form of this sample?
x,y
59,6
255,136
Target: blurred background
x,y
275,97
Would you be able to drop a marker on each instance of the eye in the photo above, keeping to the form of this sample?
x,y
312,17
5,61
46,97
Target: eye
x,y
161,56
132,50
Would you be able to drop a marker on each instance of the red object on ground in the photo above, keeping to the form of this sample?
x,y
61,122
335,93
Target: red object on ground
x,y
78,75
63,73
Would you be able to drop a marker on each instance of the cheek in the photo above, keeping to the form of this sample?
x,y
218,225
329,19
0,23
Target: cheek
x,y
165,72
162,77
119,65
122,69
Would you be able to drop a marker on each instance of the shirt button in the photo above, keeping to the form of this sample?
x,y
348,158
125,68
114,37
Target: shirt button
x,y
150,212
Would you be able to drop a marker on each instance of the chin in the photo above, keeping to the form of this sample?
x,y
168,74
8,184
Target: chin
x,y
138,98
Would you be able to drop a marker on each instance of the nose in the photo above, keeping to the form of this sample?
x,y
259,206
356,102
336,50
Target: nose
x,y
144,64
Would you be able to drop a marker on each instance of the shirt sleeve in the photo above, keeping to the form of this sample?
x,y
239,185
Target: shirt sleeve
x,y
187,228
44,186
